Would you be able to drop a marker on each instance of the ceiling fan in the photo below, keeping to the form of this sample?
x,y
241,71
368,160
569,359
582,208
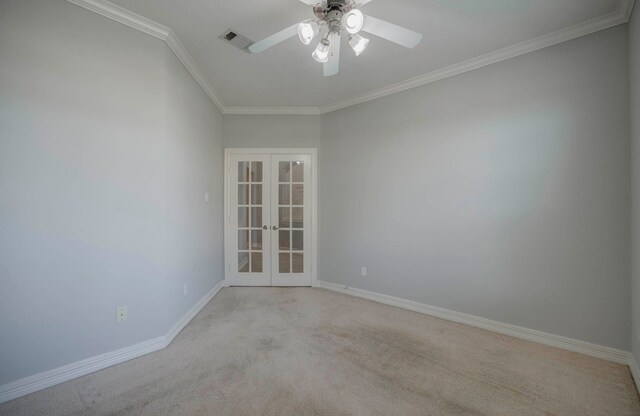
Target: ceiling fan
x,y
332,17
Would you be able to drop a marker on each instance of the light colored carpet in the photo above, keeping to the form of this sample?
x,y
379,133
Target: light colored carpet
x,y
271,351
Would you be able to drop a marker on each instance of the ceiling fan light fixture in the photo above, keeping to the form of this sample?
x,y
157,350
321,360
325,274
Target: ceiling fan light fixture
x,y
321,54
358,43
308,30
353,21
336,19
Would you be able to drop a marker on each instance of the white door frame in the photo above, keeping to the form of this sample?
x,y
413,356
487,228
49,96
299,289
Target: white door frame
x,y
228,250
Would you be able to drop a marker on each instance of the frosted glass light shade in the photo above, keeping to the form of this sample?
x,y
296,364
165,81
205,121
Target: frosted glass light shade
x,y
353,21
321,54
308,30
358,43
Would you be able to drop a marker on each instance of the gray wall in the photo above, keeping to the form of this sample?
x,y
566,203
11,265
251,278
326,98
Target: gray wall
x,y
107,146
502,192
634,48
271,131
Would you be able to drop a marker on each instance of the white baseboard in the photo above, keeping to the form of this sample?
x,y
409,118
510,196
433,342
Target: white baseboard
x,y
68,372
594,350
635,371
184,321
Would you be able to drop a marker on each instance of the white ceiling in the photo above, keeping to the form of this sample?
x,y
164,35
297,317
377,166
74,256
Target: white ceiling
x,y
286,75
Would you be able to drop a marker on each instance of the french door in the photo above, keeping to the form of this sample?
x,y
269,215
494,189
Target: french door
x,y
269,219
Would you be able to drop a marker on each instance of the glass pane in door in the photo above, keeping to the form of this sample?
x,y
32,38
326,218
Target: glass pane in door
x,y
284,262
297,262
256,194
256,172
297,171
256,240
243,240
256,217
243,217
243,262
256,262
283,194
284,172
243,172
296,217
283,240
243,195
296,240
283,217
297,194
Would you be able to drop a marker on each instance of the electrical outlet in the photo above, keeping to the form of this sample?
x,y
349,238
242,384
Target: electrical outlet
x,y
206,197
185,290
121,314
363,271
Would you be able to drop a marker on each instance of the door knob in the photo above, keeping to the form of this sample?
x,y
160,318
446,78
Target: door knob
x,y
264,227
274,228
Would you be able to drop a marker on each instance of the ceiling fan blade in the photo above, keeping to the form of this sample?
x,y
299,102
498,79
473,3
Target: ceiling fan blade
x,y
274,39
332,66
360,3
389,31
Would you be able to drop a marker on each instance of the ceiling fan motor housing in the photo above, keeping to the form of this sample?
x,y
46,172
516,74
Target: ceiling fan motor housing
x,y
332,9
336,4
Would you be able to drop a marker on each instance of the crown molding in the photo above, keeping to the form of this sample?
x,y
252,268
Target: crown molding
x,y
181,52
273,110
124,16
141,23
620,16
627,6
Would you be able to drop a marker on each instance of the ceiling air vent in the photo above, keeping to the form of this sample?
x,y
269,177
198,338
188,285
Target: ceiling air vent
x,y
236,40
